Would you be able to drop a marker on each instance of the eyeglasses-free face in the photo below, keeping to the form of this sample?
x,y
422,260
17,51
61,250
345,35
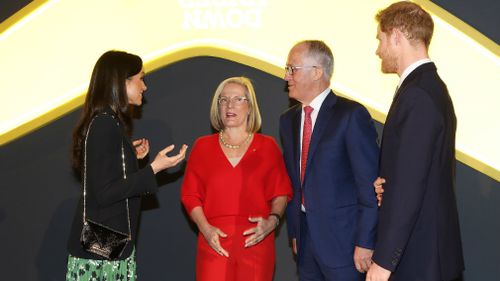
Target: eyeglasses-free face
x,y
236,101
292,69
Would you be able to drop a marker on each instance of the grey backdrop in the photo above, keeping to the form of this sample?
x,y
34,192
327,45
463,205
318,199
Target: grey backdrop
x,y
39,191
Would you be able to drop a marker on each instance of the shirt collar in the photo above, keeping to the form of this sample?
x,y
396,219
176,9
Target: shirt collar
x,y
410,69
318,100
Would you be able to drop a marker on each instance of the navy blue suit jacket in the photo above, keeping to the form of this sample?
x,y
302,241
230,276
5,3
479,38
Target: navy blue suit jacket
x,y
418,232
338,185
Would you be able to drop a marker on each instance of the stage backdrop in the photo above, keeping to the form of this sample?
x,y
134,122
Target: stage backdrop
x,y
39,190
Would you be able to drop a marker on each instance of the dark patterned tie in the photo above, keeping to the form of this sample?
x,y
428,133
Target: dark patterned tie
x,y
306,139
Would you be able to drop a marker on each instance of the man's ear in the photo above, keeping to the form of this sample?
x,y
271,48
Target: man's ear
x,y
318,73
397,36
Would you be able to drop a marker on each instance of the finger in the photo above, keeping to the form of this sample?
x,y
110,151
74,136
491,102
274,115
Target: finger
x,y
358,266
216,243
255,219
137,142
218,248
365,265
362,266
250,231
182,156
380,182
221,233
177,158
368,264
183,149
167,149
252,240
223,252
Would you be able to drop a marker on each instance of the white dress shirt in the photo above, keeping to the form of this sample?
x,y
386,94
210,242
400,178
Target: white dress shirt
x,y
316,105
410,69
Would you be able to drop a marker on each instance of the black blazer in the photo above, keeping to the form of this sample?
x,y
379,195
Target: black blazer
x,y
418,233
106,188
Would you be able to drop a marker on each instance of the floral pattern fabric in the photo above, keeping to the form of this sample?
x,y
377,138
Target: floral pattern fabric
x,y
80,269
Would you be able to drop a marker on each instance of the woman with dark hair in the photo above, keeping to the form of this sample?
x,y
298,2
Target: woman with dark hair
x,y
106,158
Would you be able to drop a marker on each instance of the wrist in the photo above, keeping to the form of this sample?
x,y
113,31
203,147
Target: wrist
x,y
203,227
277,217
154,168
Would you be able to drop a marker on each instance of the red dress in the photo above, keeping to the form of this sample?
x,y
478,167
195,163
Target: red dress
x,y
229,196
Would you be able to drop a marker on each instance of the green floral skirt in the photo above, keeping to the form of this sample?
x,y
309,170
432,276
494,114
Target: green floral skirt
x,y
101,270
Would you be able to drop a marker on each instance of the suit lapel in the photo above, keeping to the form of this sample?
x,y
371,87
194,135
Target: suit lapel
x,y
324,115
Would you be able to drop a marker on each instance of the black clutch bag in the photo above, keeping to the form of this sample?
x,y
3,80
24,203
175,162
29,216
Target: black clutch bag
x,y
102,240
97,238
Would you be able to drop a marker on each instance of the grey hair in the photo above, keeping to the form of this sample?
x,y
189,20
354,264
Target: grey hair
x,y
318,50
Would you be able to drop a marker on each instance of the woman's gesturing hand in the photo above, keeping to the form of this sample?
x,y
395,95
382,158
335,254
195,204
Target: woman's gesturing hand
x,y
162,161
141,147
212,234
263,228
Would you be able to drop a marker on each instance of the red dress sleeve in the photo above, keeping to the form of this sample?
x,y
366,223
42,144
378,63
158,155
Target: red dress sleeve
x,y
193,190
281,185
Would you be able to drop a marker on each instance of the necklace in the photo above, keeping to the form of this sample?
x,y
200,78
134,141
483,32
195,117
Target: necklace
x,y
231,146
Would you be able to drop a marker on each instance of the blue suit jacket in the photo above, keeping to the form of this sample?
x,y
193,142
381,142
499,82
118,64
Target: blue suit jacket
x,y
338,185
418,232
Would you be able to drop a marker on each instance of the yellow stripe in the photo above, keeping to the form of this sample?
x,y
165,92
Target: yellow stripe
x,y
46,60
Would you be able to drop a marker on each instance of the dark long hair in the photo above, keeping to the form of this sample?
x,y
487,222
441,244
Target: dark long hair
x,y
107,90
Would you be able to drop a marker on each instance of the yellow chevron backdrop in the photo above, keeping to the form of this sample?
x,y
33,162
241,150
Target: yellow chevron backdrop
x,y
47,51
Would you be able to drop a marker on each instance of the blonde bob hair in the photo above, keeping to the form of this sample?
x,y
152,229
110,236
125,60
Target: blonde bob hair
x,y
254,120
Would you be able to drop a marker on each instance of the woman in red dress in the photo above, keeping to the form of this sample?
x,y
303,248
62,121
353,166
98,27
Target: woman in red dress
x,y
235,189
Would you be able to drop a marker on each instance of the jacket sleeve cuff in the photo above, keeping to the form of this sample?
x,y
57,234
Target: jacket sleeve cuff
x,y
387,261
148,178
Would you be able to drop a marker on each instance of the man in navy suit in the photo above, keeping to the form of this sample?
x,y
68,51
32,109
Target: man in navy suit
x,y
331,154
418,232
